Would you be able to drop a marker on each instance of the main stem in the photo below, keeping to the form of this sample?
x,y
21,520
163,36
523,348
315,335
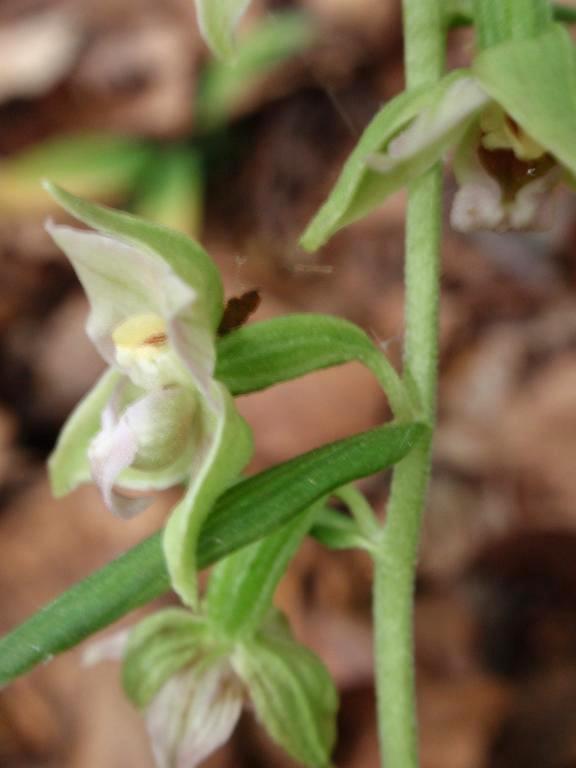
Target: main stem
x,y
395,561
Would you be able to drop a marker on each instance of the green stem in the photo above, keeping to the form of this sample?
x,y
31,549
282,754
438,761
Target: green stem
x,y
395,559
497,21
360,509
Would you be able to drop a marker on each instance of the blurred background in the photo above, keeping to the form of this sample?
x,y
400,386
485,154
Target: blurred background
x,y
120,101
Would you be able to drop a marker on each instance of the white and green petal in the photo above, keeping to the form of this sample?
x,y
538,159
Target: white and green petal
x,y
404,139
124,284
172,271
433,132
194,713
68,465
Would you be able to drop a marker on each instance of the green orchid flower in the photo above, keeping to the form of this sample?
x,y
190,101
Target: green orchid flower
x,y
510,121
192,685
157,417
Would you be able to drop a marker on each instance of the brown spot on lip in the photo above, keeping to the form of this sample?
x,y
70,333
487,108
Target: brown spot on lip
x,y
156,340
511,172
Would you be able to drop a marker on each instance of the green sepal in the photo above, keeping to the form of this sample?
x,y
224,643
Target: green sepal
x,y
171,189
293,695
225,448
97,166
242,586
68,465
534,81
359,188
186,257
158,647
217,20
223,87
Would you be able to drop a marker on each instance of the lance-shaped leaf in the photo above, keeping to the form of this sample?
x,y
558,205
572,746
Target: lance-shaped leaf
x,y
292,692
251,509
218,20
224,449
433,119
101,167
534,81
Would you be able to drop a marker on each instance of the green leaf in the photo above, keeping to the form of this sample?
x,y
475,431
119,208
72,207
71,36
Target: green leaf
x,y
158,647
100,166
186,257
68,464
262,354
242,586
534,81
170,192
225,447
217,20
223,87
292,693
248,511
437,116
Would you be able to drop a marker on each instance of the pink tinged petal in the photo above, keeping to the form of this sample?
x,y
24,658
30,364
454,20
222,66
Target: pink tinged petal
x,y
152,434
114,449
120,281
109,648
193,714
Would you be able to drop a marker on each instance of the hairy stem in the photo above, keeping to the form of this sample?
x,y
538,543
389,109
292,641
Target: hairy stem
x,y
395,559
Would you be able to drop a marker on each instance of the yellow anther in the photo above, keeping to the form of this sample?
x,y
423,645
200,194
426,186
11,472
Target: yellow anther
x,y
144,332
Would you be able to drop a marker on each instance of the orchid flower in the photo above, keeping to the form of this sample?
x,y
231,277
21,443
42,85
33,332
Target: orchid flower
x,y
193,684
510,121
157,417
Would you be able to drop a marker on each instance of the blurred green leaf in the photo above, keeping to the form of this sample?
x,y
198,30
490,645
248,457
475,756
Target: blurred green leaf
x,y
223,87
171,190
218,20
95,166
